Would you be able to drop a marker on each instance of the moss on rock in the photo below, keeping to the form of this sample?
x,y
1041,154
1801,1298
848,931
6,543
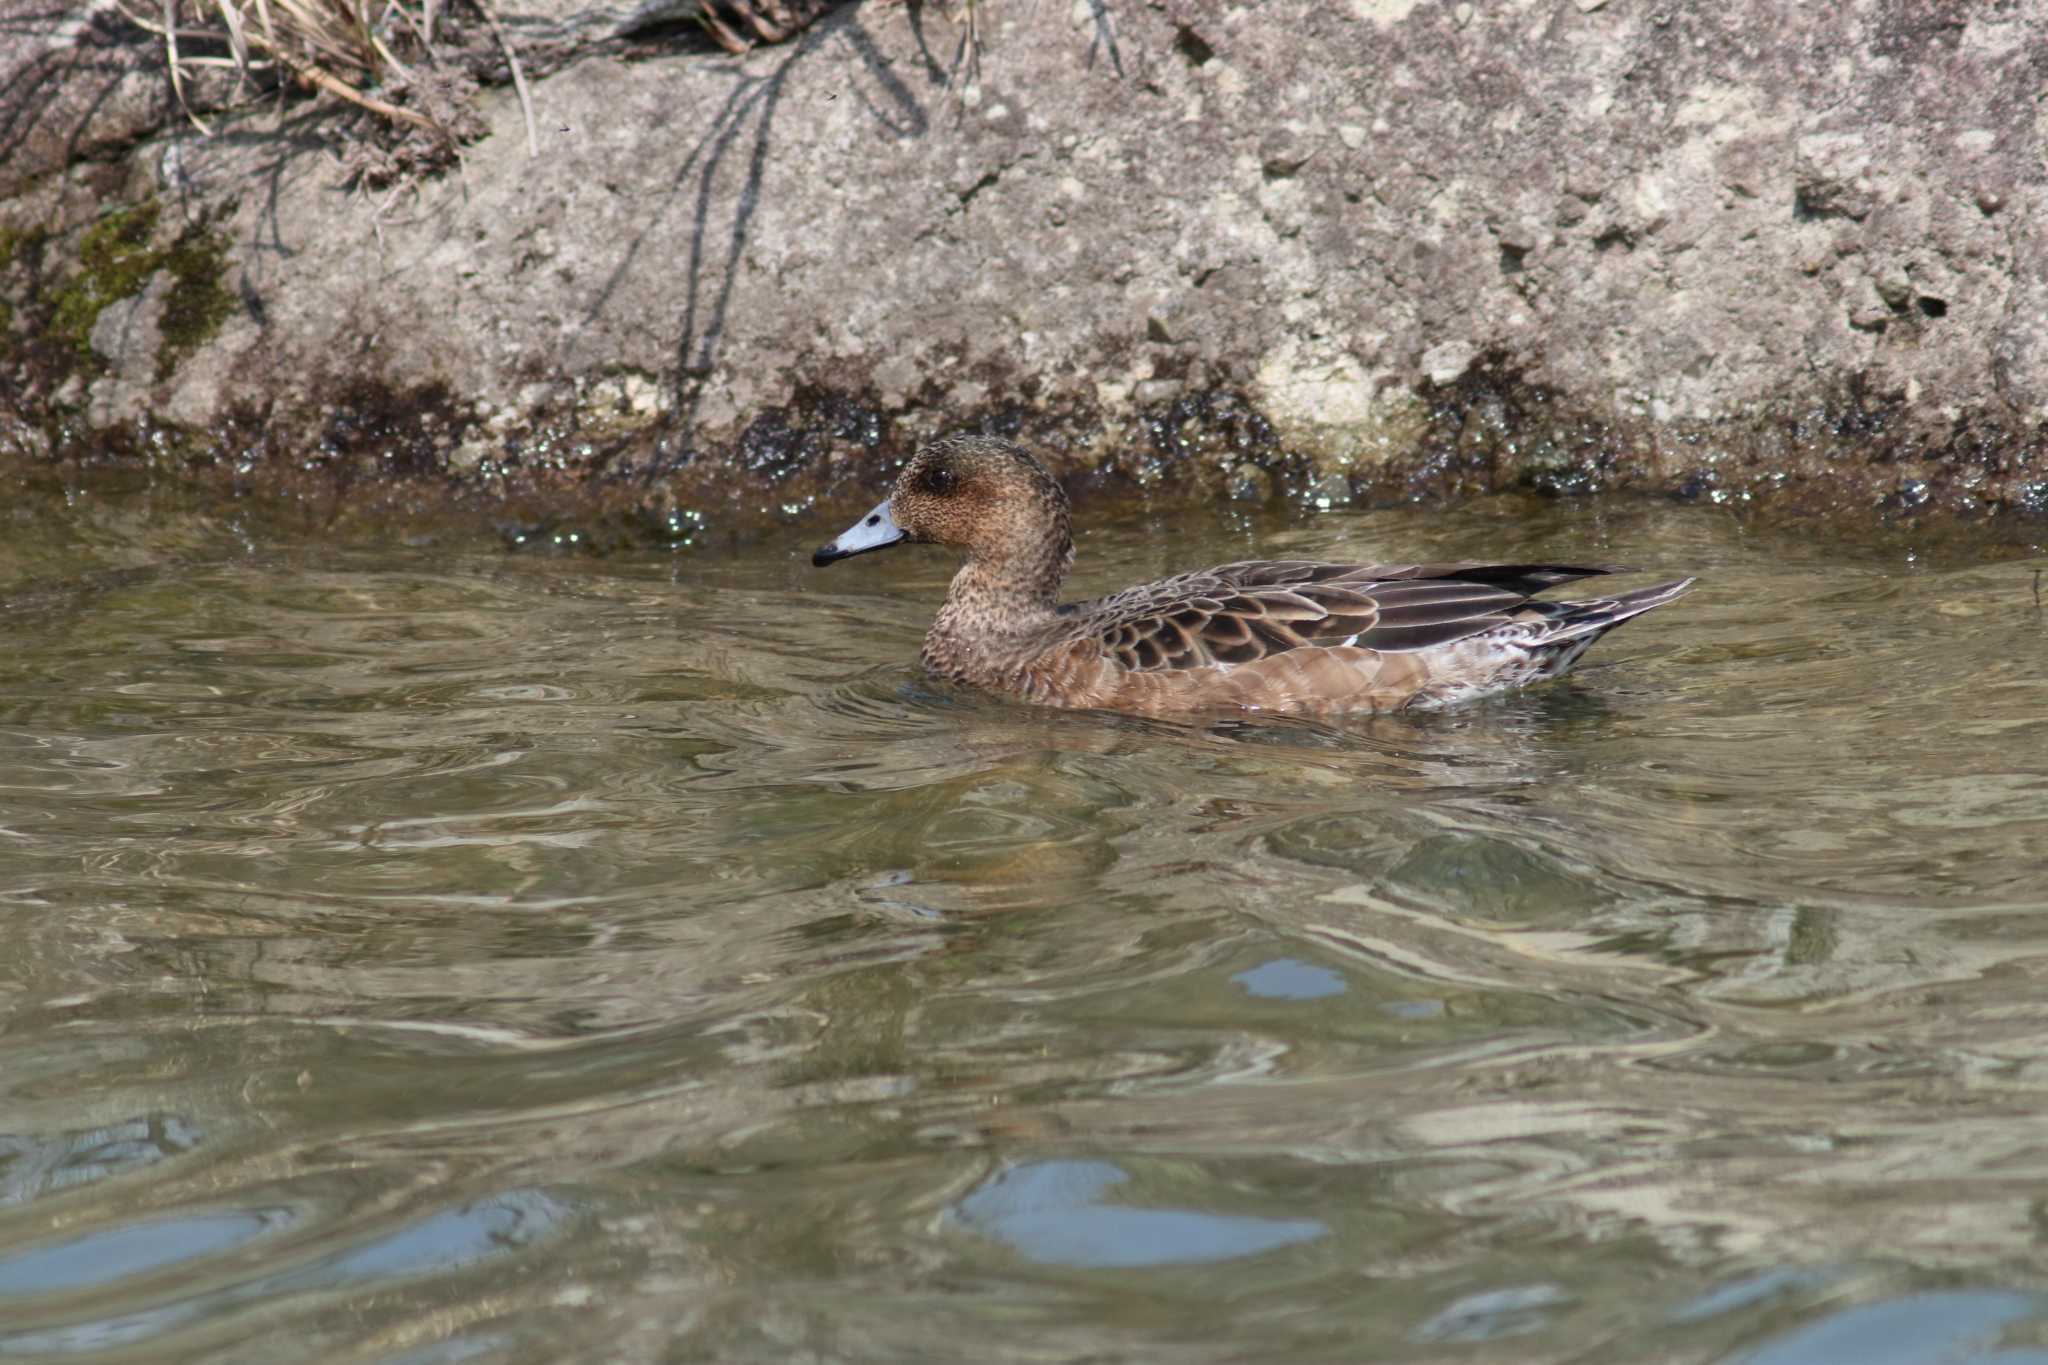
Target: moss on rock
x,y
115,261
117,258
197,303
19,243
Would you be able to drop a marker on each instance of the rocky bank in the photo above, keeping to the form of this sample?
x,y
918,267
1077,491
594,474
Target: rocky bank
x,y
1770,254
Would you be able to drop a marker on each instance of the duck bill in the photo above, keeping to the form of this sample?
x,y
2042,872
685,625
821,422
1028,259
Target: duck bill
x,y
875,531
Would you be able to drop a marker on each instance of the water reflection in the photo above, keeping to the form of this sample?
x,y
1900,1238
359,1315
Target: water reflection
x,y
34,1165
1919,1329
1053,1211
116,1253
445,1242
1752,1290
1286,978
1494,1314
425,955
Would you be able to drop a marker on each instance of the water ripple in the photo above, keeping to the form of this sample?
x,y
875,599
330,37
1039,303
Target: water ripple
x,y
419,955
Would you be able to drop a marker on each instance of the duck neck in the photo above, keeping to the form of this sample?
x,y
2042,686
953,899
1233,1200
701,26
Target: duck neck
x,y
996,599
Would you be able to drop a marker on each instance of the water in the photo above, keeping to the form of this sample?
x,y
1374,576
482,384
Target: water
x,y
422,954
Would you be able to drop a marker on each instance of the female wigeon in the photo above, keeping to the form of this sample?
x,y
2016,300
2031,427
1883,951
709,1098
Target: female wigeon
x,y
1263,635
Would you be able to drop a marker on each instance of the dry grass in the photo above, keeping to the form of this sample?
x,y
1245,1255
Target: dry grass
x,y
411,63
737,25
353,48
385,57
337,46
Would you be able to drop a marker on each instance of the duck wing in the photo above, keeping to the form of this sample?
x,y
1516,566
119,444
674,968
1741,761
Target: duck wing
x,y
1241,613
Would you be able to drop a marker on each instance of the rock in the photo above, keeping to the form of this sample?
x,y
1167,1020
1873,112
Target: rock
x,y
75,82
1832,176
1894,286
1648,210
1446,361
126,338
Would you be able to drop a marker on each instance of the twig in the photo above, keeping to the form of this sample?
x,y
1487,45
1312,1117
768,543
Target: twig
x,y
377,46
518,77
309,72
238,43
334,85
178,76
224,63
269,28
721,32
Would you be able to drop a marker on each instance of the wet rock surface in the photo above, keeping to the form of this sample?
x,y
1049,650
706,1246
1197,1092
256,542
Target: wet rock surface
x,y
1758,255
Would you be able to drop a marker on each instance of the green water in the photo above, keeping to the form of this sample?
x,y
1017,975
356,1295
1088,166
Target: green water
x,y
427,954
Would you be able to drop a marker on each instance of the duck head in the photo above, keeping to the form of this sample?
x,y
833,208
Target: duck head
x,y
979,494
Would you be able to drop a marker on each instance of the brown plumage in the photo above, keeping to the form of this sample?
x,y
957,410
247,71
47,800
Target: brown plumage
x,y
1263,635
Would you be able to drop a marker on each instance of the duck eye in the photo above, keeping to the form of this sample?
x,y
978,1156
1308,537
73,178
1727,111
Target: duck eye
x,y
938,480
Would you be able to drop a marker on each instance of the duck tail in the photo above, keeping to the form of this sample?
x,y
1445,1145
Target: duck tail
x,y
1570,628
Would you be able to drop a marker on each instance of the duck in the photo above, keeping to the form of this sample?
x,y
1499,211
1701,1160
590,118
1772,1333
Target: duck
x,y
1287,636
